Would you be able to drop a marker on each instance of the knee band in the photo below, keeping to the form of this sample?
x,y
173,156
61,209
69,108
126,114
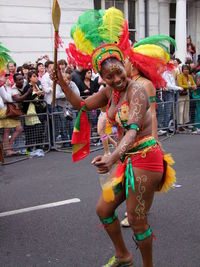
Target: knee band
x,y
144,235
109,220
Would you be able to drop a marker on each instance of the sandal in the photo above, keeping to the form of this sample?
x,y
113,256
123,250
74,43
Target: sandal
x,y
125,223
115,262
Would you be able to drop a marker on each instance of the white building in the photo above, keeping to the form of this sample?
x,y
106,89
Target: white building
x,y
26,25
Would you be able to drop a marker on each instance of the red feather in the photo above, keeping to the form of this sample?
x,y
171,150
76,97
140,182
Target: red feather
x,y
151,68
124,43
79,58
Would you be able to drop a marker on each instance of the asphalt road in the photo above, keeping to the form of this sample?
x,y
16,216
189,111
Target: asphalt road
x,y
69,235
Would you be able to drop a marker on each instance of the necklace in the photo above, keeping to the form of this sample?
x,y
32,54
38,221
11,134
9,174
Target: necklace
x,y
116,95
135,75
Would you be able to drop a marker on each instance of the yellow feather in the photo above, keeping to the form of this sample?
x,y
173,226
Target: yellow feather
x,y
81,43
168,158
113,21
2,64
170,175
152,50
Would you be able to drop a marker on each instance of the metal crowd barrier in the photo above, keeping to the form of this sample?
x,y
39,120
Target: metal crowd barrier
x,y
54,130
63,128
33,139
188,116
178,116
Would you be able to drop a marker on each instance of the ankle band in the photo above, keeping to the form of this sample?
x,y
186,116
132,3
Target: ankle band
x,y
144,235
110,219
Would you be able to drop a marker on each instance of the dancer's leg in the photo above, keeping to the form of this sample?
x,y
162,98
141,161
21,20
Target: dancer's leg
x,y
106,210
112,141
138,205
101,131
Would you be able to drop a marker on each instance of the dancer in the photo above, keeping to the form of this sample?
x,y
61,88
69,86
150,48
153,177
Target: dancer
x,y
104,131
140,172
149,48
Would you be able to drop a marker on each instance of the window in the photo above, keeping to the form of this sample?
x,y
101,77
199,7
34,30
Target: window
x,y
131,19
97,4
116,3
172,15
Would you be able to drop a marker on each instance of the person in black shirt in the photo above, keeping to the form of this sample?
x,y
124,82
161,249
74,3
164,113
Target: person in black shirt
x,y
88,85
76,77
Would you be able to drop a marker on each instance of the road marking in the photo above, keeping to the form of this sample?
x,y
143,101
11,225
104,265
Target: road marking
x,y
40,207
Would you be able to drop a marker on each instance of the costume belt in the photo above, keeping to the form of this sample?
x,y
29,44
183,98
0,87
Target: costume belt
x,y
144,146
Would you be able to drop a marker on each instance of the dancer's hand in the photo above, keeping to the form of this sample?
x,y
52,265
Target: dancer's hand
x,y
57,77
103,163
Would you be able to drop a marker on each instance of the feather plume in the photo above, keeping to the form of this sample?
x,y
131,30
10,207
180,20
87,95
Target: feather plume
x,y
170,174
89,22
124,39
76,57
161,40
150,67
4,57
152,50
81,42
112,26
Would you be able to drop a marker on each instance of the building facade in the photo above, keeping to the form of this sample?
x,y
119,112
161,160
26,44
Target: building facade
x,y
26,26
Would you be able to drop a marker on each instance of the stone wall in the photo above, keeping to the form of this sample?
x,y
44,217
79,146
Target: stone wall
x,y
26,26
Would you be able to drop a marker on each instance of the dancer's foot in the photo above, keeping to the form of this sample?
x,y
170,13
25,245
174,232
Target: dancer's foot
x,y
116,262
125,222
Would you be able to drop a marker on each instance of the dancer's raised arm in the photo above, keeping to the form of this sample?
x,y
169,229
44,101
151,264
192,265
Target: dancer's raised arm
x,y
95,101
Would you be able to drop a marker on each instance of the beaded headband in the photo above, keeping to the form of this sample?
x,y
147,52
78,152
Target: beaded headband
x,y
103,52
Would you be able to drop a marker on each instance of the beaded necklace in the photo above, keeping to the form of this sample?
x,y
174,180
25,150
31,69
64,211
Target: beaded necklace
x,y
137,77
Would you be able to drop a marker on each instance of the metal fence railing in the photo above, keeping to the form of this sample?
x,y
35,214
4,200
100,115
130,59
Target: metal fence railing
x,y
27,135
37,133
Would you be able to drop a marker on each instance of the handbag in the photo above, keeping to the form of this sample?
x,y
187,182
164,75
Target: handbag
x,y
13,110
40,106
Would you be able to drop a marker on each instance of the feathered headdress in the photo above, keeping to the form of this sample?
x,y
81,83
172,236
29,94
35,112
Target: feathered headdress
x,y
4,57
97,35
100,34
151,57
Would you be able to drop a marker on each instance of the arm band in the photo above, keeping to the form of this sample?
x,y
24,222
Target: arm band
x,y
132,126
152,99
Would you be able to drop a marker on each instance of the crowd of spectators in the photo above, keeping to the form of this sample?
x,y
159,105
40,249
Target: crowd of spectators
x,y
30,87
182,88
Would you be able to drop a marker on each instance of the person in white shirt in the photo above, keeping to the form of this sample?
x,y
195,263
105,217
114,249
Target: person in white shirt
x,y
47,84
168,96
67,105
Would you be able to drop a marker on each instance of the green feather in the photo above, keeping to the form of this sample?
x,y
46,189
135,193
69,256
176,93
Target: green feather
x,y
4,57
89,23
100,26
161,40
73,29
